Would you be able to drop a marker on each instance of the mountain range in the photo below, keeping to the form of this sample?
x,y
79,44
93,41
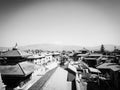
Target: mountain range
x,y
55,47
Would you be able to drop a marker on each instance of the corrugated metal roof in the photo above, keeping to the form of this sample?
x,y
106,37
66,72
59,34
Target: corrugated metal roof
x,y
20,69
35,57
112,66
82,65
94,70
83,54
90,58
95,54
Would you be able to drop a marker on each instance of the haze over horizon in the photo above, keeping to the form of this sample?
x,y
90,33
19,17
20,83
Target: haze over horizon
x,y
62,22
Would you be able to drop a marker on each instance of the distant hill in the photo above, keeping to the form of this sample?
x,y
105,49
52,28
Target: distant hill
x,y
51,47
54,47
107,47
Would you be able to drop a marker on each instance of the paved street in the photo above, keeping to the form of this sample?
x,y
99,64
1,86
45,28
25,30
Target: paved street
x,y
42,80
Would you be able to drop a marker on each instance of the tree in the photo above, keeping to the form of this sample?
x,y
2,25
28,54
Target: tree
x,y
102,49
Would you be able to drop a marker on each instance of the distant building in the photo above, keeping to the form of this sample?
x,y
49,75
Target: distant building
x,y
48,57
56,56
84,51
116,52
80,54
37,59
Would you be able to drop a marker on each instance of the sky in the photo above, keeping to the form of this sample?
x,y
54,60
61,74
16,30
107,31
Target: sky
x,y
64,22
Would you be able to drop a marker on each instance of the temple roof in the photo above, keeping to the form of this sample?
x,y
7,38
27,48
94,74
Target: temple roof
x,y
15,53
20,69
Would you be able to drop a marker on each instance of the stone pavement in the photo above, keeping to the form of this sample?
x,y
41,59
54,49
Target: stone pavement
x,y
40,83
58,81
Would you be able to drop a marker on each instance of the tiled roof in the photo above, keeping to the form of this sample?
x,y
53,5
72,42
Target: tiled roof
x,y
15,53
20,69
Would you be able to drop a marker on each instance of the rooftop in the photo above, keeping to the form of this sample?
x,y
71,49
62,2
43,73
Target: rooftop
x,y
112,66
20,69
95,54
15,53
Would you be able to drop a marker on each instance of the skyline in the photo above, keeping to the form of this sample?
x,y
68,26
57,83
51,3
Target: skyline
x,y
83,22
